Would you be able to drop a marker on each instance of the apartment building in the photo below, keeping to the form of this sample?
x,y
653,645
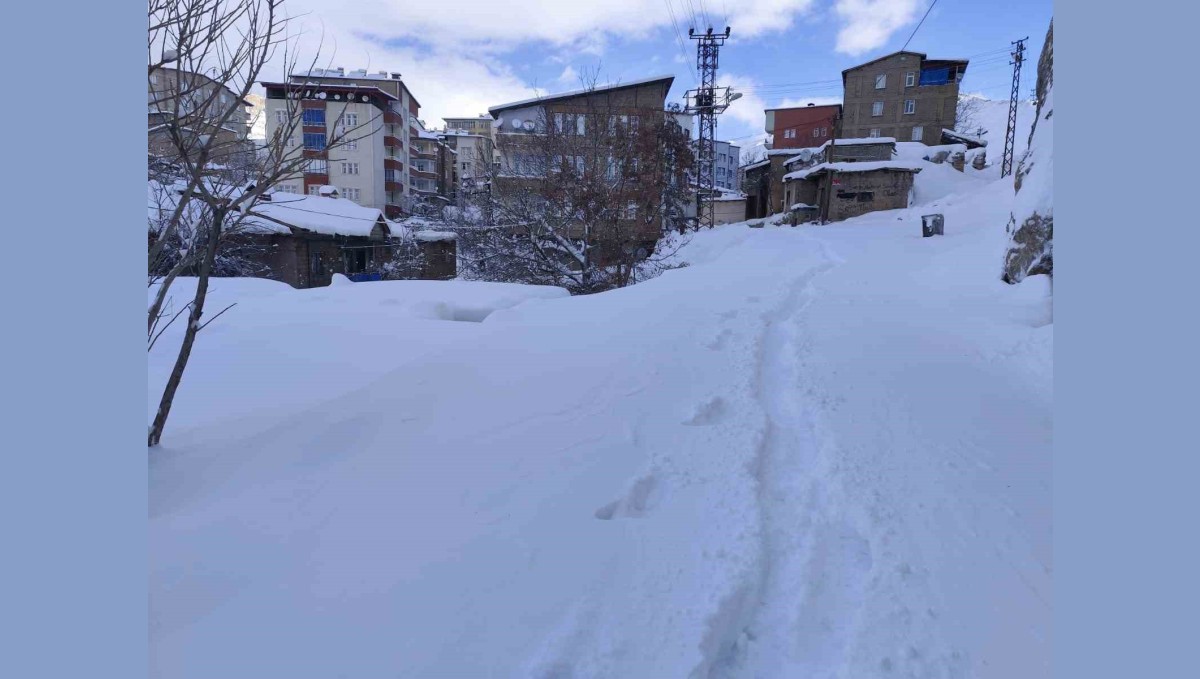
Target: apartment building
x,y
802,127
725,165
480,125
374,115
904,95
473,153
195,103
592,116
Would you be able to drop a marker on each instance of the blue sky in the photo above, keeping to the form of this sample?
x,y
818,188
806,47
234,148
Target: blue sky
x,y
473,54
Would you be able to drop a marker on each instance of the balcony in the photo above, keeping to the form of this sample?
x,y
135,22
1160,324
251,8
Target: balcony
x,y
393,163
393,185
391,117
389,140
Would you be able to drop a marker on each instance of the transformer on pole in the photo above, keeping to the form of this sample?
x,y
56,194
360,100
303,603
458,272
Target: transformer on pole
x,y
706,102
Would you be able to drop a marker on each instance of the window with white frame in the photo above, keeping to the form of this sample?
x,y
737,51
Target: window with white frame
x,y
874,132
910,79
881,81
918,133
349,168
910,106
351,194
816,132
349,120
580,124
877,109
314,190
351,145
281,116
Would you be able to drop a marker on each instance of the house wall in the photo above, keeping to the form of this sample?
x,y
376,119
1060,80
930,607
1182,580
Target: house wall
x,y
729,211
843,153
888,189
935,104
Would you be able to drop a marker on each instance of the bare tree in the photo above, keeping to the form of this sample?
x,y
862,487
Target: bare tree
x,y
204,57
582,200
967,114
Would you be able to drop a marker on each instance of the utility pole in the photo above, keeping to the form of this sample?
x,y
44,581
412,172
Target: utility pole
x,y
706,102
1010,136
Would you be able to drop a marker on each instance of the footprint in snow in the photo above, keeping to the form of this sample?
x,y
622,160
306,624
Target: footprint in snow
x,y
709,412
641,498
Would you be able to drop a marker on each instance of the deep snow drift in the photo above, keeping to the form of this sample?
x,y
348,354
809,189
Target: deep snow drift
x,y
814,452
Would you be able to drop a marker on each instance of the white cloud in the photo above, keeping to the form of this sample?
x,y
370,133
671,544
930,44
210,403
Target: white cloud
x,y
569,76
457,59
868,24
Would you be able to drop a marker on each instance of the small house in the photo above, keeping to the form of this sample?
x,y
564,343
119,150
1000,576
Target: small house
x,y
848,189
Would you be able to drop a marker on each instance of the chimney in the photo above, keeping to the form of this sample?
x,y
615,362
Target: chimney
x,y
341,71
395,76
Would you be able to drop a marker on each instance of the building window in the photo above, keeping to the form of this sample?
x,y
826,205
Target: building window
x,y
352,194
824,131
281,116
877,109
874,132
910,79
816,132
580,124
910,106
865,196
349,168
351,145
317,166
881,81
315,266
918,133
314,190
314,141
314,116
349,120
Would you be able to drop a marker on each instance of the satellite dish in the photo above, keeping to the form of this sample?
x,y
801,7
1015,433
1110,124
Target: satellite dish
x,y
365,98
338,97
321,95
528,125
516,123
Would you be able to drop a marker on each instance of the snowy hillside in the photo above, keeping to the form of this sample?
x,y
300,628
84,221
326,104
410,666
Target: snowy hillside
x,y
815,452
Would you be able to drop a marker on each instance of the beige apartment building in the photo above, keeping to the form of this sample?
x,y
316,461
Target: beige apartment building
x,y
902,95
195,102
376,162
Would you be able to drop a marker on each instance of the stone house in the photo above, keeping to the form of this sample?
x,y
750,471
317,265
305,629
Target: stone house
x,y
842,190
903,95
763,184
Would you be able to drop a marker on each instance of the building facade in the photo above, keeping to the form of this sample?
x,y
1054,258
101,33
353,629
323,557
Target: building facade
x,y
194,103
373,115
634,111
802,126
725,165
902,95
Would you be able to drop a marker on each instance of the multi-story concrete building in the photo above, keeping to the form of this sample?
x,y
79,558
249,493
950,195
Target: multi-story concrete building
x,y
474,155
725,165
902,95
802,127
194,102
632,110
374,115
481,125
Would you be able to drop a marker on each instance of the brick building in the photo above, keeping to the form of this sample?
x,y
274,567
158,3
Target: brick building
x,y
902,95
803,126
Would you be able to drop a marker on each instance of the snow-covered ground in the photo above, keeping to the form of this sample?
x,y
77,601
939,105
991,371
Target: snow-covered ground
x,y
814,452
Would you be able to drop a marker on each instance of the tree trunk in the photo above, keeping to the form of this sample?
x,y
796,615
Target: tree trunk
x,y
193,327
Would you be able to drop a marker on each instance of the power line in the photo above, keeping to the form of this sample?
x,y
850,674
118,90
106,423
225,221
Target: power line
x,y
918,25
679,37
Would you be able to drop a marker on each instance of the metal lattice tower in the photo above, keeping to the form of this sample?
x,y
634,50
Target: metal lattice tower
x,y
706,102
1010,135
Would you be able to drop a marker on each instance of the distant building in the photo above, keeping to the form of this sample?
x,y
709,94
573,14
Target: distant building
x,y
380,166
802,126
725,165
902,95
845,178
763,184
629,107
194,103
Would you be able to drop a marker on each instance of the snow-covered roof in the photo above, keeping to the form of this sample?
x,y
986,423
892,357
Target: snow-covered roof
x,y
759,164
434,236
869,166
964,138
574,93
319,214
858,141
803,206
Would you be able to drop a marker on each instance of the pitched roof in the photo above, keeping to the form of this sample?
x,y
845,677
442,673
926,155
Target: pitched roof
x,y
330,216
669,79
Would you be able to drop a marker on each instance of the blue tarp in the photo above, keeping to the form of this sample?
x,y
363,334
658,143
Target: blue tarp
x,y
935,76
363,277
